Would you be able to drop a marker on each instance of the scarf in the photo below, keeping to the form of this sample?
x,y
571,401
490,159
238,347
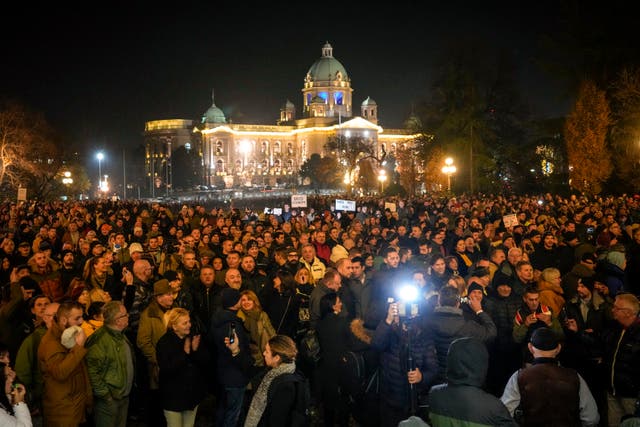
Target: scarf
x,y
259,401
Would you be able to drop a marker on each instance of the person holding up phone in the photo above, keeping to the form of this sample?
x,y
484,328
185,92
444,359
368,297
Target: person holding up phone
x,y
13,409
234,363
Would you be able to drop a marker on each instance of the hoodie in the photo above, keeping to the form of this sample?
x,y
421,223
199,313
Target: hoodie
x,y
461,401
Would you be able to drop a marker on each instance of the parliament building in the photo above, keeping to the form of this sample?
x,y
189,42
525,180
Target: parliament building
x,y
235,154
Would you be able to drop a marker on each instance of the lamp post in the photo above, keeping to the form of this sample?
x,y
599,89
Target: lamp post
x,y
382,177
100,156
448,169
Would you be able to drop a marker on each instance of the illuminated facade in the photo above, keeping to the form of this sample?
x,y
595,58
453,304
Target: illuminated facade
x,y
246,154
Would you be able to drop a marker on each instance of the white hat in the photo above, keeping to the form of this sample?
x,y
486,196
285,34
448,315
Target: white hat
x,y
135,247
68,338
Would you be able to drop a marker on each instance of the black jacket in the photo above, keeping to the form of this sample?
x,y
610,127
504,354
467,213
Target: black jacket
x,y
232,371
182,379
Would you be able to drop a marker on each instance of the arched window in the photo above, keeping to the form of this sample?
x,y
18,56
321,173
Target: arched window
x,y
219,166
264,148
290,149
219,149
276,147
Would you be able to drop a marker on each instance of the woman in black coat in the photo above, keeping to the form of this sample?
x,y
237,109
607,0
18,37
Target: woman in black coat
x,y
334,336
274,402
182,361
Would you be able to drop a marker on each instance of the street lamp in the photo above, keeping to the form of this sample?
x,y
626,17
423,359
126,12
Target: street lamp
x,y
448,169
100,156
382,177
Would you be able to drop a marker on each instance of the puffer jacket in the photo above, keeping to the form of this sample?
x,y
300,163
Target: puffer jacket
x,y
462,402
447,323
393,345
107,352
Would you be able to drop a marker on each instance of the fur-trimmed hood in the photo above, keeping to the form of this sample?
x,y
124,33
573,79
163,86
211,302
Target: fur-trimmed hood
x,y
360,332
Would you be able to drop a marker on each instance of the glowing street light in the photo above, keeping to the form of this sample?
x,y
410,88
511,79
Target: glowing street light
x,y
382,177
67,180
100,156
448,169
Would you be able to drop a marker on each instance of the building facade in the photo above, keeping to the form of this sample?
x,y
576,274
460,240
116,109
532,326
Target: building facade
x,y
247,155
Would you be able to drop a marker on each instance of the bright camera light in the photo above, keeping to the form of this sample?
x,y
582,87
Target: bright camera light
x,y
408,293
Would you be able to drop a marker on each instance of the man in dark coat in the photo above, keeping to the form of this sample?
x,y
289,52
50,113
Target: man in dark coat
x,y
461,401
234,364
407,364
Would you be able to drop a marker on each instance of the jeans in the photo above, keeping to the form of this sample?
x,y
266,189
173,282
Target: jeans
x,y
228,411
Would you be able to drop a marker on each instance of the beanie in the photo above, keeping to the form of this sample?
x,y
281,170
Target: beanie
x,y
28,283
544,339
230,297
475,287
588,282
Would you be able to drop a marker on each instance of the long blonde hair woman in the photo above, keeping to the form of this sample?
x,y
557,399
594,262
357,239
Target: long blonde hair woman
x,y
257,322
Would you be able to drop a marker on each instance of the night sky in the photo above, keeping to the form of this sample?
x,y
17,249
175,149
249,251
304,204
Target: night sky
x,y
100,74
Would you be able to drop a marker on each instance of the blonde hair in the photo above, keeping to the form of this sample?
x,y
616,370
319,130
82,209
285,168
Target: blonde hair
x,y
549,273
171,316
312,280
253,297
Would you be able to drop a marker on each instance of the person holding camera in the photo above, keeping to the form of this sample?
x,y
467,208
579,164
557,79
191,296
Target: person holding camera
x,y
13,409
407,363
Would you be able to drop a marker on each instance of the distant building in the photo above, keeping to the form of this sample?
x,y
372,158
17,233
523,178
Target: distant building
x,y
248,154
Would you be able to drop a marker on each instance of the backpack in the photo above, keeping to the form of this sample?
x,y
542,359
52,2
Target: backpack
x,y
310,347
355,379
301,413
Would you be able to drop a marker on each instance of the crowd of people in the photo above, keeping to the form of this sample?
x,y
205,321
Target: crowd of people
x,y
524,311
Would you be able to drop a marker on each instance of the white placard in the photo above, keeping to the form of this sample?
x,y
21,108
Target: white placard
x,y
510,220
22,194
277,211
345,205
298,200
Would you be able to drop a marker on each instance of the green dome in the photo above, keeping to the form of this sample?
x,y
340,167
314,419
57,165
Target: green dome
x,y
368,102
213,114
327,66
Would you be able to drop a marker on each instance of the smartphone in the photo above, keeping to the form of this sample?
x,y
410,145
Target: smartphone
x,y
232,333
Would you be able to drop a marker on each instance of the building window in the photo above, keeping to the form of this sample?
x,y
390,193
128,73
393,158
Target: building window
x,y
219,149
290,149
276,147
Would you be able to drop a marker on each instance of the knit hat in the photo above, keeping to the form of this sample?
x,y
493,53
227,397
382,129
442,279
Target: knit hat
x,y
475,287
588,282
171,275
161,287
43,246
230,297
544,339
68,338
500,279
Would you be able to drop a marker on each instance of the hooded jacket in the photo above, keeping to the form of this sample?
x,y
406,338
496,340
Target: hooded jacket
x,y
461,401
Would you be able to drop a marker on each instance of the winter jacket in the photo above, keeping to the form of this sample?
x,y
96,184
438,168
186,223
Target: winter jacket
x,y
623,364
232,371
551,295
447,323
151,328
393,344
67,391
182,375
110,359
461,401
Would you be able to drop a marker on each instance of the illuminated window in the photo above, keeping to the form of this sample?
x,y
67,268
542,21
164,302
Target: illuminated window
x,y
324,96
338,97
219,149
290,149
276,147
308,98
